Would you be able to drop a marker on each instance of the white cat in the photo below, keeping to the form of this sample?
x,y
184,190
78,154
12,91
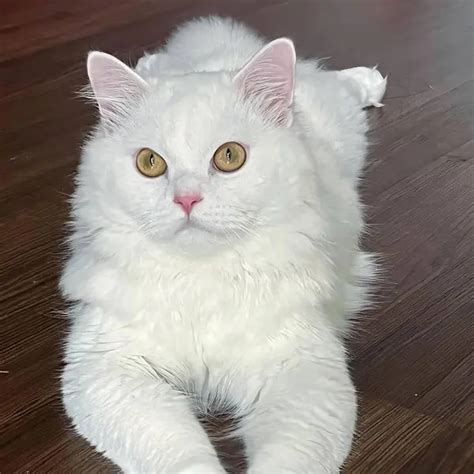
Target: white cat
x,y
215,258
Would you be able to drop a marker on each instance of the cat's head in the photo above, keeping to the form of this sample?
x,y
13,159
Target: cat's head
x,y
198,160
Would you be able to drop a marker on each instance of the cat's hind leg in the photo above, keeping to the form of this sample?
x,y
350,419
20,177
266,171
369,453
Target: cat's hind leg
x,y
367,83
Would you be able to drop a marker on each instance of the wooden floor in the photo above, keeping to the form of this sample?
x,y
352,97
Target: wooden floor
x,y
411,356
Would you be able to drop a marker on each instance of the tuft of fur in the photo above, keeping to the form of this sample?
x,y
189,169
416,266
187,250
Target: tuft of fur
x,y
244,306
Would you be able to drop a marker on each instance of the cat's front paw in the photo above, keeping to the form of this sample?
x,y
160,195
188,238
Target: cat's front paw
x,y
280,468
200,469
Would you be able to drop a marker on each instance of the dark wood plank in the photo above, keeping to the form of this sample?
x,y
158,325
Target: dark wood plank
x,y
411,355
398,440
451,451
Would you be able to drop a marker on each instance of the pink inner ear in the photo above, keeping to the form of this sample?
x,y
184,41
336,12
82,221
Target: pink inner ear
x,y
114,84
269,78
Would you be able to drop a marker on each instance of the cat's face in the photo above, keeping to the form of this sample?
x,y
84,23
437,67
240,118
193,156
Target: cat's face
x,y
198,160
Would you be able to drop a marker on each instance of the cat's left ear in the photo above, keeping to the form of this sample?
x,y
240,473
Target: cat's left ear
x,y
268,79
116,87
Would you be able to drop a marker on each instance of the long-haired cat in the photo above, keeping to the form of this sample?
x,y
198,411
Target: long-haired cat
x,y
214,254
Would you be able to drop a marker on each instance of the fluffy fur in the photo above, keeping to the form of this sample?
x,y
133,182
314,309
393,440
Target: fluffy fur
x,y
242,307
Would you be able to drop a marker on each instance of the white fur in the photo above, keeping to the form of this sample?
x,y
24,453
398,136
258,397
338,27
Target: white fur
x,y
245,310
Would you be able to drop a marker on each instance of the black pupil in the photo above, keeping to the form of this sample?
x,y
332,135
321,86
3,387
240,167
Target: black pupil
x,y
152,160
228,154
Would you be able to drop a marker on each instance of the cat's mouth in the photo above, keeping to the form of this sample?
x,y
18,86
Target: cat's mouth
x,y
199,230
195,236
191,223
188,224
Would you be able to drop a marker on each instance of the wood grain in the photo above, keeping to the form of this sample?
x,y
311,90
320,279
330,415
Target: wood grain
x,y
411,355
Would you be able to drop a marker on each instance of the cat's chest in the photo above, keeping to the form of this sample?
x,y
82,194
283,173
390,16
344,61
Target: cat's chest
x,y
205,319
218,326
216,332
215,353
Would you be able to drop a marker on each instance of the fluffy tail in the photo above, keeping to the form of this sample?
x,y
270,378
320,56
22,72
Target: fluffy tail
x,y
368,83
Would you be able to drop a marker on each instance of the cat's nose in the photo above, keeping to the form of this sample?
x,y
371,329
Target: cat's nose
x,y
187,201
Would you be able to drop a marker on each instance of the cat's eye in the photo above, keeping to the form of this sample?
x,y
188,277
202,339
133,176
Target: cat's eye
x,y
150,163
229,157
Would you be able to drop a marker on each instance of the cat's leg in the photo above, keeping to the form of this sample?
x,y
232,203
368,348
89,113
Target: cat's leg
x,y
122,407
304,419
367,83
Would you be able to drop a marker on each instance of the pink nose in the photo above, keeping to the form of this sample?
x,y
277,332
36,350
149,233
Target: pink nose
x,y
187,202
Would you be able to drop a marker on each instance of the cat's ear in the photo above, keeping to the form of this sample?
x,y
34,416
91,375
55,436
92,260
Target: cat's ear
x,y
115,86
269,80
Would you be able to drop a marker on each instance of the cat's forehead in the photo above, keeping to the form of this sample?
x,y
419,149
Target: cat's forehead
x,y
192,88
191,113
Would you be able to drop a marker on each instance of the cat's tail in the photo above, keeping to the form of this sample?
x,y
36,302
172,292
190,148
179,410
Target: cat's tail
x,y
368,84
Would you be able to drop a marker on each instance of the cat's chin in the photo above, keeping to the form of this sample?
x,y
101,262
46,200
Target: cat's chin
x,y
196,238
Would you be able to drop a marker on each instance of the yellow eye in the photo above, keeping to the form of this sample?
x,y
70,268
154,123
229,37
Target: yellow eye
x,y
150,164
229,157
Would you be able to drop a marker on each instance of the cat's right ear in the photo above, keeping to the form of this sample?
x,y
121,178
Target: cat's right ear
x,y
114,84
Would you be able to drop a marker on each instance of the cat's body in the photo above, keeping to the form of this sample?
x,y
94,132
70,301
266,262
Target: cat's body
x,y
244,308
